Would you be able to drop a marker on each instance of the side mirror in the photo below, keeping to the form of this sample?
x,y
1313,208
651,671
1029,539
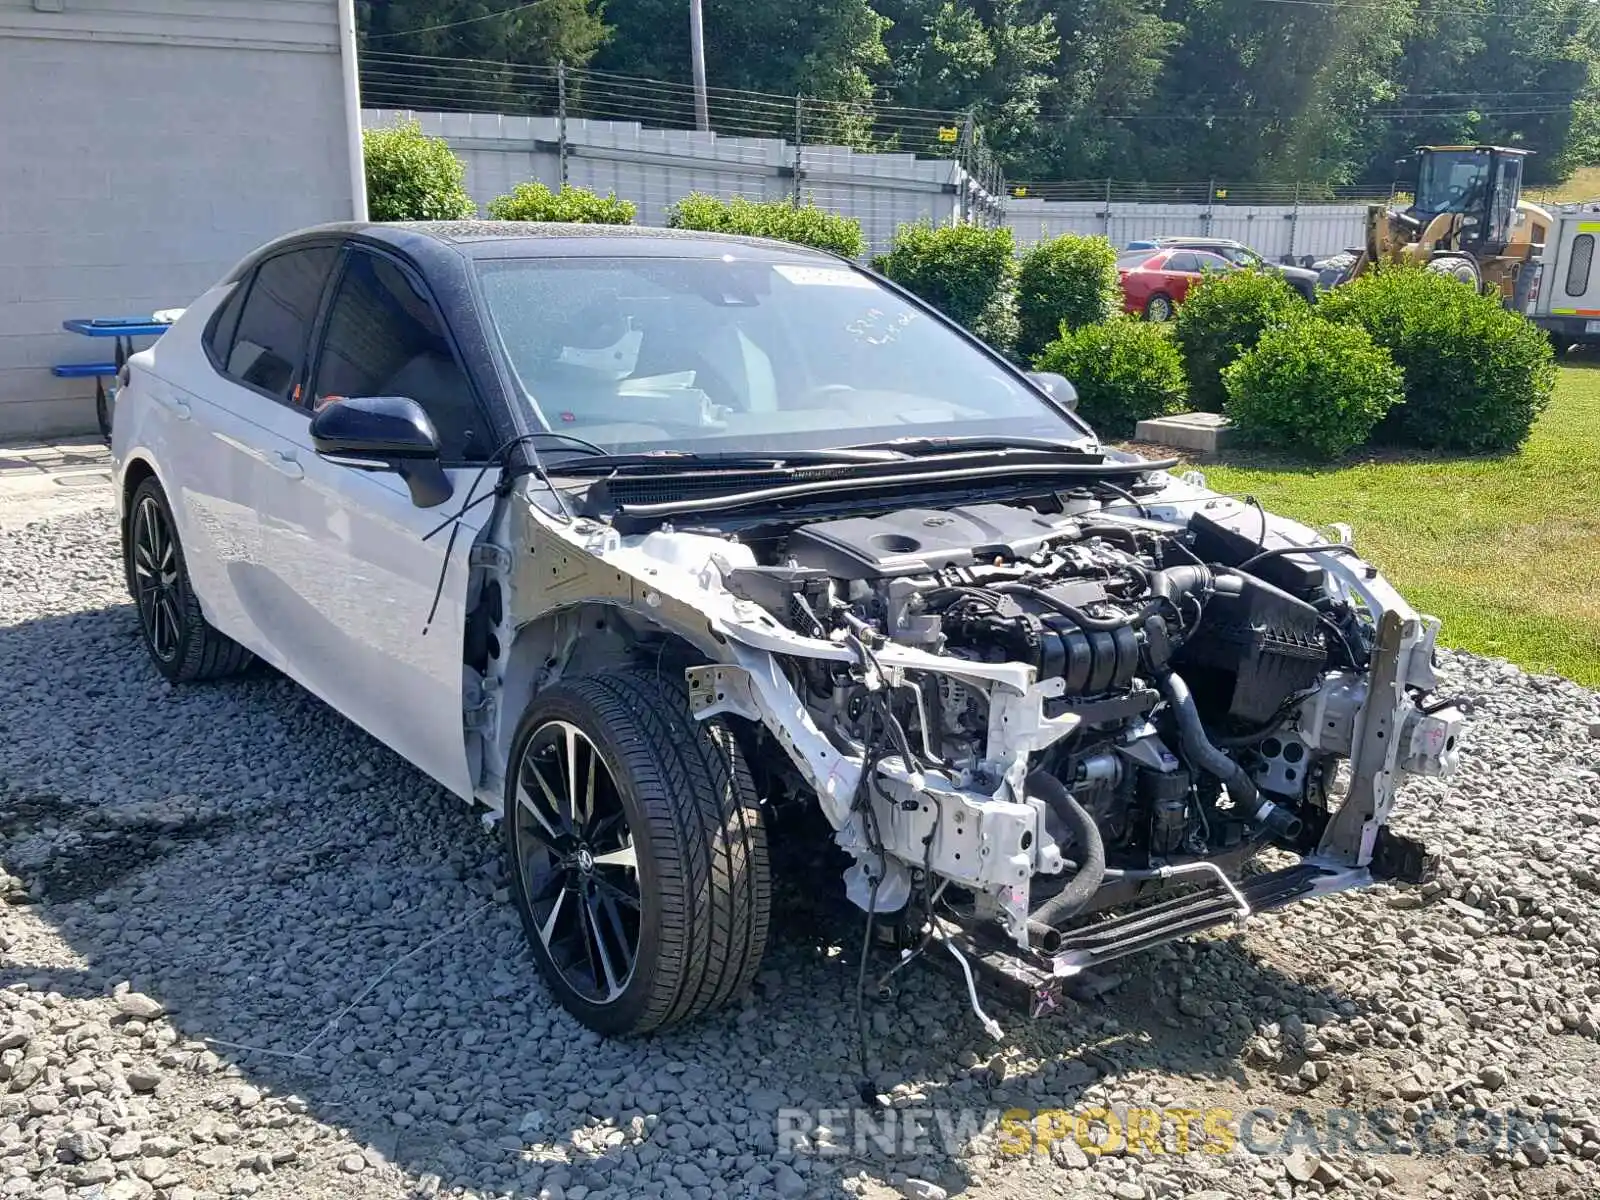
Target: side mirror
x,y
384,433
1058,387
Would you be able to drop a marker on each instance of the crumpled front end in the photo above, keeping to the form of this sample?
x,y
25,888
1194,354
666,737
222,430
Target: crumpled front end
x,y
1014,717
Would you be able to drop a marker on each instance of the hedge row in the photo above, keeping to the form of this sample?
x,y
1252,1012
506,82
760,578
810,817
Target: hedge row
x,y
805,224
1402,356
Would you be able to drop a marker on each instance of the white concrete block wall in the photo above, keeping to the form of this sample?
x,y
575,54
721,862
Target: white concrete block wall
x,y
1272,229
146,147
655,168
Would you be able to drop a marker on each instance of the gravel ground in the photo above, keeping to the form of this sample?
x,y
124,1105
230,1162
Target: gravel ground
x,y
248,951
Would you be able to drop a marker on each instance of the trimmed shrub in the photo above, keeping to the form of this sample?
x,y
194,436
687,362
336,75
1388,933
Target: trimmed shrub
x,y
967,272
1223,317
1312,387
1069,280
413,177
533,201
806,225
1476,374
1125,370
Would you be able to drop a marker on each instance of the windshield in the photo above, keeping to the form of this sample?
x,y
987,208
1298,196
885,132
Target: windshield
x,y
639,354
1451,181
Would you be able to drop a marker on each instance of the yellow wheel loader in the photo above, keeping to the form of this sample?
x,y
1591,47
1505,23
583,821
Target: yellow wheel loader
x,y
1467,219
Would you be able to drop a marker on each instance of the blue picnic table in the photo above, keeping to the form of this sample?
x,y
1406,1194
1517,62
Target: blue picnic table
x,y
124,330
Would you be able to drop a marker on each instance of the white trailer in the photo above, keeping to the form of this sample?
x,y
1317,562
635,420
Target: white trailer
x,y
1563,298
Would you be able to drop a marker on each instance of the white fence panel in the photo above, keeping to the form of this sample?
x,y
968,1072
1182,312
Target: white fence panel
x,y
1275,230
655,168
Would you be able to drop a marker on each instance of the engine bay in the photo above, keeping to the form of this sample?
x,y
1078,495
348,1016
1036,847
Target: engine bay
x,y
1119,616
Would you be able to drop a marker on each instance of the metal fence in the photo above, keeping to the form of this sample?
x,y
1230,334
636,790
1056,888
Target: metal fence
x,y
884,164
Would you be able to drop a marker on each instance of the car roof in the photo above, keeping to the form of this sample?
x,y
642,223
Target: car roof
x,y
529,239
1199,243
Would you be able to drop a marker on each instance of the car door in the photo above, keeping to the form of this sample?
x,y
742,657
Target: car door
x,y
1181,271
1140,276
246,407
1187,267
390,606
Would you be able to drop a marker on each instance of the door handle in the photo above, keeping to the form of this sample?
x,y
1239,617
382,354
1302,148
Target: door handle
x,y
178,408
285,463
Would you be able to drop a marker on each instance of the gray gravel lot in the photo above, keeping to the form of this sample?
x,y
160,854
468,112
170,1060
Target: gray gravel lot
x,y
248,951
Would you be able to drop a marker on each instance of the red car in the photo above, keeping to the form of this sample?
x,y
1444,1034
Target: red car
x,y
1154,282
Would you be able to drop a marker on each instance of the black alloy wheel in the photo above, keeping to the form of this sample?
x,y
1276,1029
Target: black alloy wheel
x,y
157,579
182,644
579,863
636,851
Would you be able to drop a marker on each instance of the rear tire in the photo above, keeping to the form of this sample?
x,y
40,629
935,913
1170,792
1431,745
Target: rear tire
x,y
637,852
1158,307
183,645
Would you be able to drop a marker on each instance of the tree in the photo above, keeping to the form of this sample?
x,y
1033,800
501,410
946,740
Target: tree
x,y
1109,58
1264,92
992,59
546,33
468,58
1473,74
828,48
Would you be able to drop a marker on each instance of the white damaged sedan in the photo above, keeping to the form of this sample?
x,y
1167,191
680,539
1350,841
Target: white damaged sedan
x,y
665,546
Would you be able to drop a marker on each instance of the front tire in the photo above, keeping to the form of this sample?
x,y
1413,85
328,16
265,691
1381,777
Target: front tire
x,y
636,851
1458,267
183,645
1158,307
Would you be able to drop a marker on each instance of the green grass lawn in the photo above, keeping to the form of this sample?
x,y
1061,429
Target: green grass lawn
x,y
1584,185
1505,551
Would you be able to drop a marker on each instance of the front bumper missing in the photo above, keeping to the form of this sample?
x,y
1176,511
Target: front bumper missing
x,y
1038,982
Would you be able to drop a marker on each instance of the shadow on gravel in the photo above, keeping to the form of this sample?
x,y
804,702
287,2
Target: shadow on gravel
x,y
320,920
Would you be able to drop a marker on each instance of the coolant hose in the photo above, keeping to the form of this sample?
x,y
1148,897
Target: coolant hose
x,y
1202,753
1089,849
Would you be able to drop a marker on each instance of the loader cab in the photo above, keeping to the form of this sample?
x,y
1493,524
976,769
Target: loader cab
x,y
1482,185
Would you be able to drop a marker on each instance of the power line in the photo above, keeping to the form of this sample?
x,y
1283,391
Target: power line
x,y
1421,11
516,8
1377,114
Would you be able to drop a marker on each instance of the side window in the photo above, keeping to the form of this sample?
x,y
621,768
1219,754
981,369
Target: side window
x,y
1183,260
269,348
1211,262
219,338
385,339
1580,262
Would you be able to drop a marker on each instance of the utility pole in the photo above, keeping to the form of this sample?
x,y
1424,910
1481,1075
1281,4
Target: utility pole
x,y
697,57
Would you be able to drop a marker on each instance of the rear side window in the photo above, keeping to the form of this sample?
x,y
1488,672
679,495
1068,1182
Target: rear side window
x,y
1578,266
1183,260
219,339
269,346
1129,259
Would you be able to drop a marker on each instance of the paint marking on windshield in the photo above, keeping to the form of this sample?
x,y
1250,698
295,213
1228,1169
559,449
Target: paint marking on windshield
x,y
821,276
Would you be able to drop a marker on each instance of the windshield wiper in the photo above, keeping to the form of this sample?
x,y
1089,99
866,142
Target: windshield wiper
x,y
677,460
918,445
